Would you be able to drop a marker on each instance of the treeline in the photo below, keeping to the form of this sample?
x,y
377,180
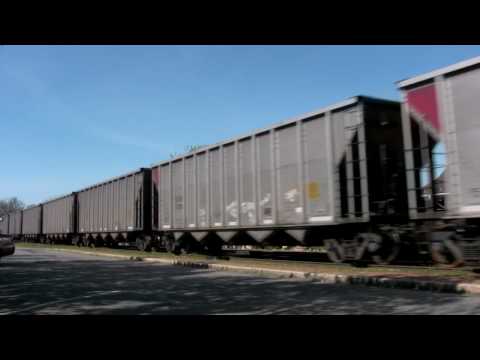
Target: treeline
x,y
10,205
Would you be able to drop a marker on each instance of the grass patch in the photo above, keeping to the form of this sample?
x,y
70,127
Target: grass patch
x,y
102,250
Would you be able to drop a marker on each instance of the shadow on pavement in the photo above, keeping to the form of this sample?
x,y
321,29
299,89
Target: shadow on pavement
x,y
98,286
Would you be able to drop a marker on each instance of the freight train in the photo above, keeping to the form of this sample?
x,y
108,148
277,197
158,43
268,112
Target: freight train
x,y
366,179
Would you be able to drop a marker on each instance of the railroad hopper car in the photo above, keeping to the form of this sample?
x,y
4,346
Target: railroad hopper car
x,y
15,224
32,223
331,178
4,225
116,211
441,126
59,219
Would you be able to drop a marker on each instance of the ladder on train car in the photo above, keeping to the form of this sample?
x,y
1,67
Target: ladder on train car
x,y
355,169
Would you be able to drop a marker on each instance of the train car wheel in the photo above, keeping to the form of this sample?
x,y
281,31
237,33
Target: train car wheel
x,y
335,251
157,245
387,249
171,245
140,243
447,253
148,244
168,245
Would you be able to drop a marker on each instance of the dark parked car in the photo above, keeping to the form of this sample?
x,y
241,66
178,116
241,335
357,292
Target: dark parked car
x,y
7,246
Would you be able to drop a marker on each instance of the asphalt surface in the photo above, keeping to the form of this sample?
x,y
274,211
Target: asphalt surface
x,y
36,281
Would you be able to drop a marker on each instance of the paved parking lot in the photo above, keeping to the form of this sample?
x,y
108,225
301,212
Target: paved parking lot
x,y
37,281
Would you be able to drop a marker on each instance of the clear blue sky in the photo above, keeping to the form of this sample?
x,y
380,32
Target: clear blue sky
x,y
71,116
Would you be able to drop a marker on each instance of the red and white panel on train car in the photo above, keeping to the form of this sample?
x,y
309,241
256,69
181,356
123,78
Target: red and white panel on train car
x,y
423,106
428,138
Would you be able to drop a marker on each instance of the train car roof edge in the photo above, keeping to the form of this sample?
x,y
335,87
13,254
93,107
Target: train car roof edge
x,y
336,106
112,179
57,198
442,71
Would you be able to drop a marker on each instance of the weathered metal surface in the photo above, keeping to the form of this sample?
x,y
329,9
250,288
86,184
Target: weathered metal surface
x,y
4,225
15,223
116,206
59,216
32,221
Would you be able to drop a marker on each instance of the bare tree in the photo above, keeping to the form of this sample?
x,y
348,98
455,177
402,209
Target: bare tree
x,y
188,149
193,148
10,205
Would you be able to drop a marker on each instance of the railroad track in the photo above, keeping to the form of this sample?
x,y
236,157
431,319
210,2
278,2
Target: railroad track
x,y
317,258
286,257
369,265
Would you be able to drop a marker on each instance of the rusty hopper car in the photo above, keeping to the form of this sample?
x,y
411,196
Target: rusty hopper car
x,y
331,177
58,220
441,126
116,211
15,224
32,223
4,225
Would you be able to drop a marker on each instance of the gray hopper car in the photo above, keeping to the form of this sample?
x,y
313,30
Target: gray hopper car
x,y
116,211
4,225
58,223
15,224
364,179
325,175
441,127
32,223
